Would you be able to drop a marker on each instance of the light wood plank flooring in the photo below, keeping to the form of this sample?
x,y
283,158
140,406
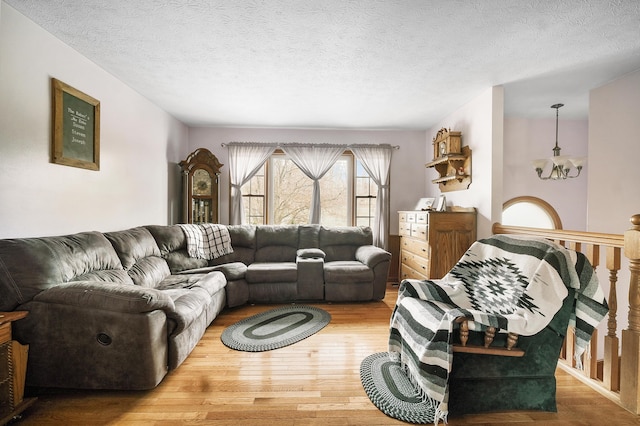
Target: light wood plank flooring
x,y
313,382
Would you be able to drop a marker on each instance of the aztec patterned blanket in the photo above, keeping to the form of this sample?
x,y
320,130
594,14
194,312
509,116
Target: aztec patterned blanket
x,y
512,283
207,240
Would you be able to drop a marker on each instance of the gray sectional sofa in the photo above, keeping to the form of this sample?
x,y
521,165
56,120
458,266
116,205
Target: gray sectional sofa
x,y
118,310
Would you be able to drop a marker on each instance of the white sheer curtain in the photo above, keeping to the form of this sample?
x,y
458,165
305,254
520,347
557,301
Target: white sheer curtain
x,y
244,162
376,160
314,161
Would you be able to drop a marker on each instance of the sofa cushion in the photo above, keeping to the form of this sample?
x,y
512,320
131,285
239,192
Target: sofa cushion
x,y
169,238
180,260
212,282
308,236
82,256
191,295
173,248
277,243
272,272
140,256
341,242
243,241
232,271
344,271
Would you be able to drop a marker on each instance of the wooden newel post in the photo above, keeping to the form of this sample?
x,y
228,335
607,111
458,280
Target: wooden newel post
x,y
630,367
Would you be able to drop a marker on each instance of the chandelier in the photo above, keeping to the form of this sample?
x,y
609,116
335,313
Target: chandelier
x,y
561,164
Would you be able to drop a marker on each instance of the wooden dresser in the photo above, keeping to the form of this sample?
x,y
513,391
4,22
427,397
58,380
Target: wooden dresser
x,y
432,242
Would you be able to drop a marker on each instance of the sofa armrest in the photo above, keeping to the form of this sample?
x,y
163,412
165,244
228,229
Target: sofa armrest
x,y
107,296
372,255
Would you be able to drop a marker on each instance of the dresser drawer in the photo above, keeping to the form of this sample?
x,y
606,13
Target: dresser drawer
x,y
404,229
419,231
421,248
422,218
416,263
408,272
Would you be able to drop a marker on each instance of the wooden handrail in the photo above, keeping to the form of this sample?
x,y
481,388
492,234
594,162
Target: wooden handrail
x,y
612,240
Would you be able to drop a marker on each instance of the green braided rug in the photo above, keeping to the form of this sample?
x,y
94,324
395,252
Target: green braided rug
x,y
389,388
275,328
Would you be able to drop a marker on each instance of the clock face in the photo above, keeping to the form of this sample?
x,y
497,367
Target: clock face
x,y
201,183
443,148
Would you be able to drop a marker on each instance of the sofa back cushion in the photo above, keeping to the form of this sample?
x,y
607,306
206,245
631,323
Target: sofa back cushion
x,y
276,243
140,256
243,241
31,265
309,236
173,248
341,242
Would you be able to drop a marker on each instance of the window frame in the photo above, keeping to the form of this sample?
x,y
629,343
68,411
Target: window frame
x,y
352,197
538,202
369,197
250,195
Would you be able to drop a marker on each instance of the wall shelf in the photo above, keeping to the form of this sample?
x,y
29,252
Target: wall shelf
x,y
454,170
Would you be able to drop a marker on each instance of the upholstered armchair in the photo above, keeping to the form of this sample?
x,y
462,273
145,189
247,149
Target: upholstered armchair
x,y
511,299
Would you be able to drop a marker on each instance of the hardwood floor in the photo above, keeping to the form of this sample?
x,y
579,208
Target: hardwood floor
x,y
313,382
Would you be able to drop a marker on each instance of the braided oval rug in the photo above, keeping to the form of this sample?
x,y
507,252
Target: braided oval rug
x,y
389,388
275,328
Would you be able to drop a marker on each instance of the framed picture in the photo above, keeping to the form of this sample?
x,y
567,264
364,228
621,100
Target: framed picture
x,y
442,204
76,127
425,204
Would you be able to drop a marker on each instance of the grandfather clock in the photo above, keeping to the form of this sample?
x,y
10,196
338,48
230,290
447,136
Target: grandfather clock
x,y
200,194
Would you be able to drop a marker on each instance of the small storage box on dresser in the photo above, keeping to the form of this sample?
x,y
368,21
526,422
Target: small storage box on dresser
x,y
431,242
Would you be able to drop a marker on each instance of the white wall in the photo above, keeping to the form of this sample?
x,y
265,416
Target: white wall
x,y
614,155
139,144
481,124
526,140
407,163
614,176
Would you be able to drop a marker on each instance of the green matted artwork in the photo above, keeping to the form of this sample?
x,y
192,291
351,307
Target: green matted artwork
x,y
76,127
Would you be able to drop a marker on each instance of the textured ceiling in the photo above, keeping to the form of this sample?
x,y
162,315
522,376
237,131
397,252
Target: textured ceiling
x,y
393,64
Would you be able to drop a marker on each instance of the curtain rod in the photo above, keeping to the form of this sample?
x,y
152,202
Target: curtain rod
x,y
278,145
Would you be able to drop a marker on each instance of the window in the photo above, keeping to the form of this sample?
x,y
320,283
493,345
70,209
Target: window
x,y
532,212
281,194
366,192
290,195
253,198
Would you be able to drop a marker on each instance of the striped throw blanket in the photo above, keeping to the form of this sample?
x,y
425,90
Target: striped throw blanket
x,y
207,240
512,283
